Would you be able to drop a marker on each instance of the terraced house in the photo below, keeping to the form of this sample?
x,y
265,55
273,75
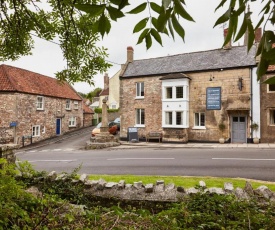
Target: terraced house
x,y
35,107
187,96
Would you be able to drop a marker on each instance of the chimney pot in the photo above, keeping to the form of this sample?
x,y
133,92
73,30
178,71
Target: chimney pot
x,y
258,35
130,54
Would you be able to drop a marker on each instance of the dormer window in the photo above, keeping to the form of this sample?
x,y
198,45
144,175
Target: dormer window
x,y
68,104
40,103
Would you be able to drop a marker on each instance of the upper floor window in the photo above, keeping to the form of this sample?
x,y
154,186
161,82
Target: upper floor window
x,y
40,103
68,104
179,92
140,89
199,120
140,117
36,130
75,104
169,92
72,122
271,88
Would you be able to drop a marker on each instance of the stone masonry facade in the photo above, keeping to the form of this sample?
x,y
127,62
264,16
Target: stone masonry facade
x,y
233,101
267,108
21,108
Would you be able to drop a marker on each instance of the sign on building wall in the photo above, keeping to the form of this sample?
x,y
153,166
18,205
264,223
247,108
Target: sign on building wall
x,y
213,98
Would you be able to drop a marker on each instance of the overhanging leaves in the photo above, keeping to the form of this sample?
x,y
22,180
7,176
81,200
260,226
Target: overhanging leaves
x,y
140,25
138,9
93,10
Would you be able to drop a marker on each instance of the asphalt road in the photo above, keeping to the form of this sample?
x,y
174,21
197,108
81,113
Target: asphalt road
x,y
67,155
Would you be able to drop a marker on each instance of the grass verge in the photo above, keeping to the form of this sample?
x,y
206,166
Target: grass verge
x,y
185,181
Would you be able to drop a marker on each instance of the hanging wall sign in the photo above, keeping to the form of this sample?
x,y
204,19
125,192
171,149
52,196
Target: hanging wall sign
x,y
213,98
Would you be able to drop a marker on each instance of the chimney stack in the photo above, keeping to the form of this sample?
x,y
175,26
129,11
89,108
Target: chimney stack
x,y
258,35
106,81
228,45
130,54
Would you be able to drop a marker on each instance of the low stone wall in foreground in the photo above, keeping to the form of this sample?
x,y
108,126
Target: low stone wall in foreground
x,y
160,191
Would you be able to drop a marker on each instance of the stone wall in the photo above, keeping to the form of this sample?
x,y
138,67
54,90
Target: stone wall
x,y
22,109
267,103
234,101
159,191
6,152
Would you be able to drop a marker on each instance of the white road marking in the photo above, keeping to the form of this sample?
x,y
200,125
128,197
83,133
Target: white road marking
x,y
243,159
117,159
51,161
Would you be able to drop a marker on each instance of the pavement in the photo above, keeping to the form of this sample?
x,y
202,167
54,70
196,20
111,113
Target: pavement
x,y
152,144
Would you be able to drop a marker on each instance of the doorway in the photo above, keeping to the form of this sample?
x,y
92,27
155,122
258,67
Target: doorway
x,y
58,126
238,128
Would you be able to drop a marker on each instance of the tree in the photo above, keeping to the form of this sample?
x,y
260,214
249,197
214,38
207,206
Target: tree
x,y
94,93
78,23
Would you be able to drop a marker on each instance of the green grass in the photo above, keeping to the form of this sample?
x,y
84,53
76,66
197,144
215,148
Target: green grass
x,y
186,182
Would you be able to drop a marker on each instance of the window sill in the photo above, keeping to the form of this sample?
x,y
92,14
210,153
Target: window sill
x,y
40,109
139,98
199,127
175,126
68,109
72,126
140,126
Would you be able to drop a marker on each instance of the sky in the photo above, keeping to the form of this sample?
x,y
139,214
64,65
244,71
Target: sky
x,y
200,35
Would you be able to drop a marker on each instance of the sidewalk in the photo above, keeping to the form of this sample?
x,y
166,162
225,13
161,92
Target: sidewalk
x,y
125,144
143,144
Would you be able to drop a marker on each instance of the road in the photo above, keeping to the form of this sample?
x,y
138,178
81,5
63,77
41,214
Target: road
x,y
67,155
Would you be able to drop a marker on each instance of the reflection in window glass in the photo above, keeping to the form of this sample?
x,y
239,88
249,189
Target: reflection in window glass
x,y
168,118
169,92
179,92
178,118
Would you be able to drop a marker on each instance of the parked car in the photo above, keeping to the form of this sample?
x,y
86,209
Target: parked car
x,y
117,122
112,128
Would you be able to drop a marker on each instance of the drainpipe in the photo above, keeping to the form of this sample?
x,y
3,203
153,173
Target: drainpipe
x,y
251,101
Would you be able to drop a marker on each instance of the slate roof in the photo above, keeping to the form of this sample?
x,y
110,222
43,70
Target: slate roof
x,y
13,79
236,57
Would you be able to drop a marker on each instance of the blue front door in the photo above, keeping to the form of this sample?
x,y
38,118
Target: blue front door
x,y
58,126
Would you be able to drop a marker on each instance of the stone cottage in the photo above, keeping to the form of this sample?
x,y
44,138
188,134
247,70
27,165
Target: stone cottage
x,y
187,96
268,109
35,107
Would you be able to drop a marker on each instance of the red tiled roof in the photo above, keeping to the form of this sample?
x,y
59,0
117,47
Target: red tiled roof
x,y
104,92
87,109
20,80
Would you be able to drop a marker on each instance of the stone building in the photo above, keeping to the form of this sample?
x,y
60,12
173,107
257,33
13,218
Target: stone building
x,y
35,106
187,96
268,109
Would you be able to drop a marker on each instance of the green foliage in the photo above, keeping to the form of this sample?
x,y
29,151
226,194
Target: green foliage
x,y
94,93
21,210
99,110
78,24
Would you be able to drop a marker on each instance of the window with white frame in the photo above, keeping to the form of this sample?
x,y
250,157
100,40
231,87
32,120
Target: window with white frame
x,y
199,120
40,103
169,92
36,130
140,89
179,118
68,104
169,118
175,103
179,91
140,117
43,129
271,88
272,116
72,121
75,104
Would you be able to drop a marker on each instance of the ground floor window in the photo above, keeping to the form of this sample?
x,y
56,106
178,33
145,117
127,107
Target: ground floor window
x,y
179,117
199,119
36,130
168,118
72,122
272,117
140,117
